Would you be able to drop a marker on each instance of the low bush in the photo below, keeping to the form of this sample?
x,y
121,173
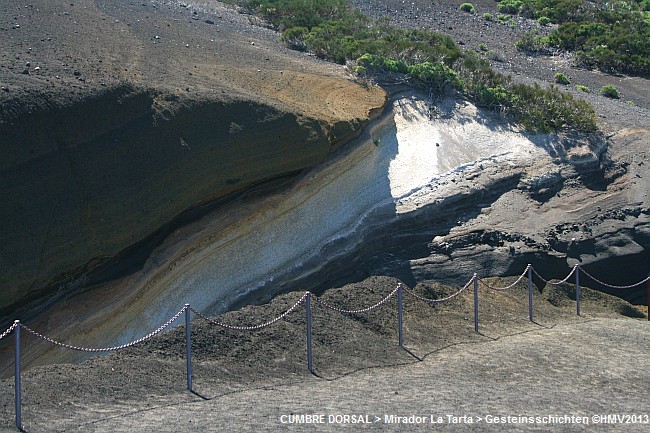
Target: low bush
x,y
610,91
533,43
510,6
561,78
581,88
468,7
436,76
503,18
613,36
541,109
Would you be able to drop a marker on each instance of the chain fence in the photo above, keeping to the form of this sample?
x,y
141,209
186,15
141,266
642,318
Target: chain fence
x,y
448,298
306,299
320,302
612,286
8,331
556,283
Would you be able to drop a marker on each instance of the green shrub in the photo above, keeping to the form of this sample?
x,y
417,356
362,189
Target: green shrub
x,y
610,91
581,88
436,76
495,96
503,18
510,6
561,78
468,7
547,109
532,42
295,38
482,47
556,10
612,36
333,30
302,13
490,17
381,63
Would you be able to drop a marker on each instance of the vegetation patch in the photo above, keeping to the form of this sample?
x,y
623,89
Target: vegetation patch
x,y
510,6
336,31
613,36
468,7
561,78
610,91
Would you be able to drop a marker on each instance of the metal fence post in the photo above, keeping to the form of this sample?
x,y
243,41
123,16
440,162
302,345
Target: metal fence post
x,y
475,278
188,347
19,420
530,292
578,289
400,333
310,365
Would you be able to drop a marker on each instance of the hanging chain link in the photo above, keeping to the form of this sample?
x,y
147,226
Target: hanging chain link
x,y
254,327
363,310
448,298
503,289
558,282
612,286
106,349
9,330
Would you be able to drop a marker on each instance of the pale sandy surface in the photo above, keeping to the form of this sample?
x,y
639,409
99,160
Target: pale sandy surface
x,y
585,368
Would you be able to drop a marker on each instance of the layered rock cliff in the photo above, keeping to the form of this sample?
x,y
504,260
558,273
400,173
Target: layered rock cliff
x,y
165,153
106,147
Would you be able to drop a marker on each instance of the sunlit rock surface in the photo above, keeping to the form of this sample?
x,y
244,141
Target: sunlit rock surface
x,y
421,195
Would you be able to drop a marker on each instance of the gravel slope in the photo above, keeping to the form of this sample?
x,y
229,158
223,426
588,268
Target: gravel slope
x,y
472,30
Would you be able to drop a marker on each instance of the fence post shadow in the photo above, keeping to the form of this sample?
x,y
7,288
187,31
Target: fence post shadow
x,y
407,350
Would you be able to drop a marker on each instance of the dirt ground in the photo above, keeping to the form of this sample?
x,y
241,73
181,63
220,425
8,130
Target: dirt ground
x,y
461,388
560,364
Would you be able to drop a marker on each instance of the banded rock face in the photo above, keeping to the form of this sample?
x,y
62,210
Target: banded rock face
x,y
138,115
